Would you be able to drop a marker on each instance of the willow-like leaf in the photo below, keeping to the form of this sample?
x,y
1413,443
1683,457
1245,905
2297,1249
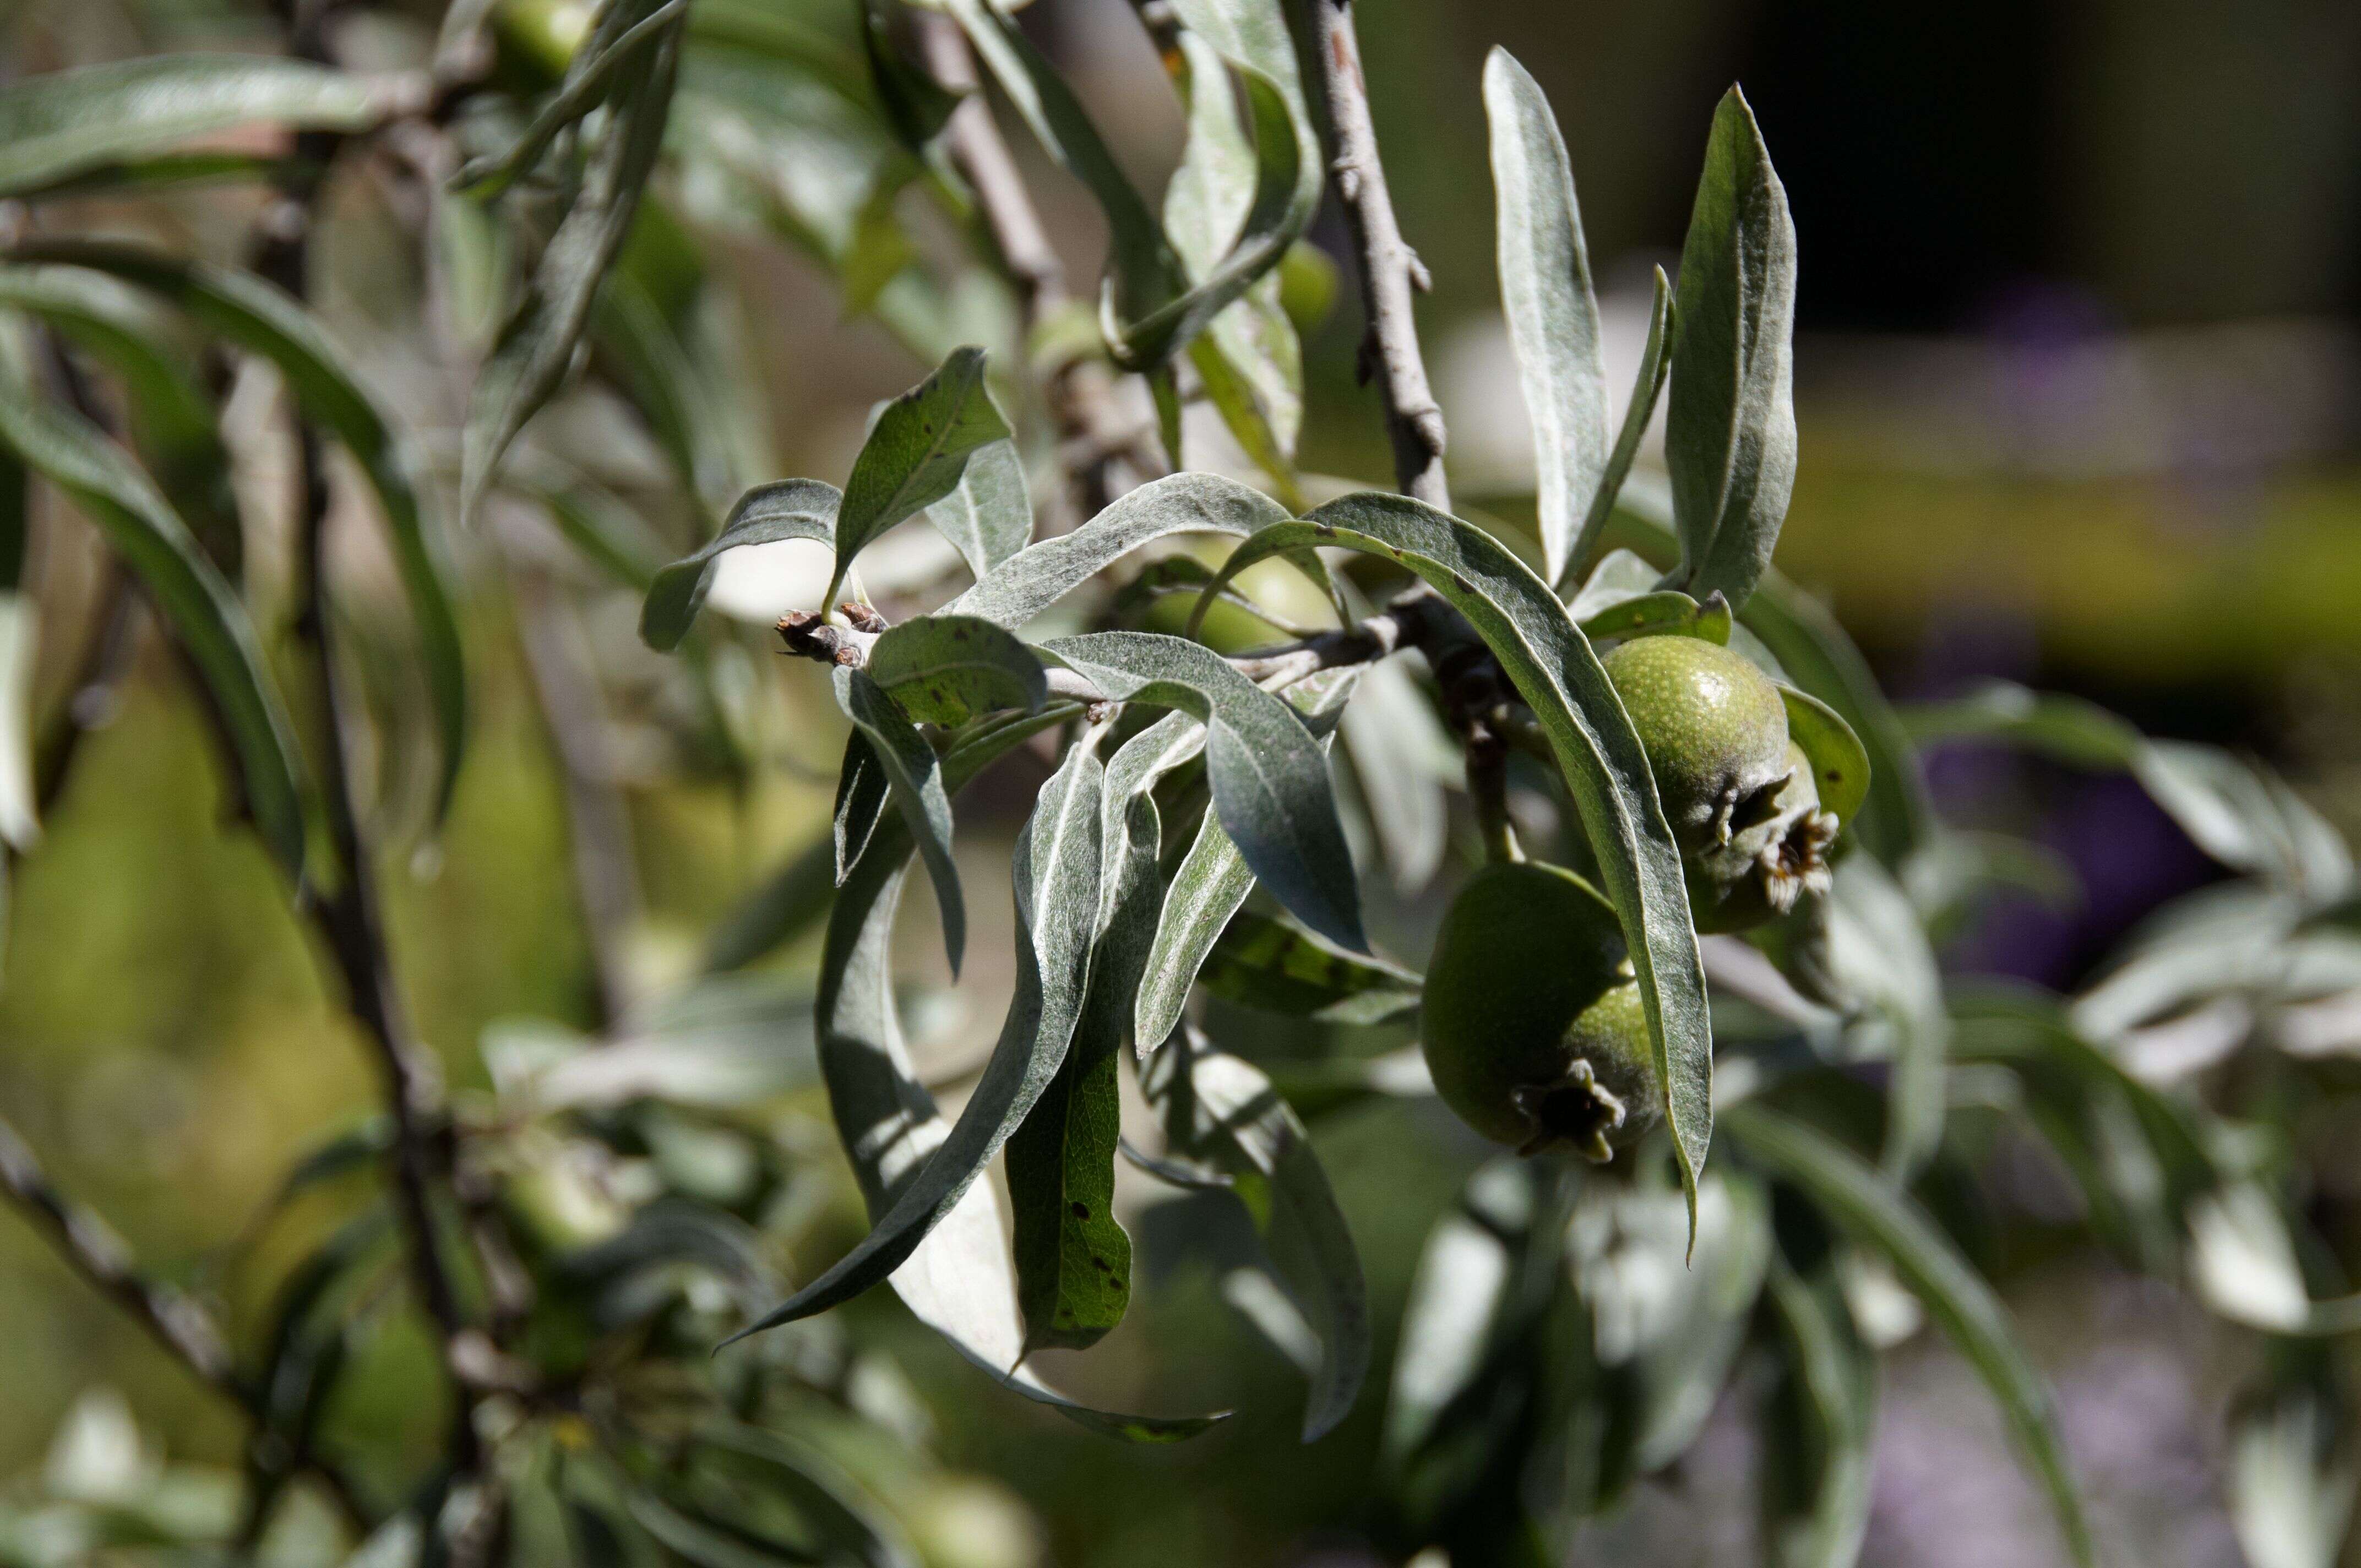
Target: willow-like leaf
x,y
915,775
266,321
206,616
791,508
1040,575
1647,387
947,669
1865,1205
1073,1259
63,124
916,453
1552,315
1729,437
1057,889
1269,777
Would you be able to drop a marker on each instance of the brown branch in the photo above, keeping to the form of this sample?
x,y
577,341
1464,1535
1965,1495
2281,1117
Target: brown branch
x,y
350,917
93,1250
1080,393
1390,272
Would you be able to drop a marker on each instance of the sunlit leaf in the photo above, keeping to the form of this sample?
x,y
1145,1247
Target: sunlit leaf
x,y
63,124
1839,763
947,669
1729,439
1269,777
914,774
1863,1204
205,613
988,516
1647,387
1553,315
916,453
1073,1259
791,508
1041,573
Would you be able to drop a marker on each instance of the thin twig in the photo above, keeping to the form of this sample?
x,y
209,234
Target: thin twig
x,y
349,917
1391,271
90,1245
1080,393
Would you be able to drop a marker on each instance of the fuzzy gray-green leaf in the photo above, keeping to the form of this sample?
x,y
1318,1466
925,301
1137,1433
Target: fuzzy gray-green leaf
x,y
1955,1295
205,615
988,516
1552,315
791,508
1730,437
1056,898
59,124
1040,575
915,776
1269,777
916,453
947,669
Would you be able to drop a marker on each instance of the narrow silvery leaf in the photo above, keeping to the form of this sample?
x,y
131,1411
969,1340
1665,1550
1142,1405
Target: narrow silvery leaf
x,y
1057,898
171,421
1545,292
1877,953
624,30
916,453
960,1279
1252,38
205,613
266,322
791,508
19,634
1248,360
988,516
59,124
947,669
1730,439
1647,387
1209,887
1554,670
1819,1418
1861,1201
537,348
1219,1109
1073,1259
1272,967
1269,777
1040,575
914,774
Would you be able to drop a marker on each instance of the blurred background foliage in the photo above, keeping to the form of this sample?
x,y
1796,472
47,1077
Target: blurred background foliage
x,y
2080,385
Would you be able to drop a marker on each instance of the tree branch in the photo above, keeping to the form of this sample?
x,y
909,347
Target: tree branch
x,y
1092,429
90,1247
1391,271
